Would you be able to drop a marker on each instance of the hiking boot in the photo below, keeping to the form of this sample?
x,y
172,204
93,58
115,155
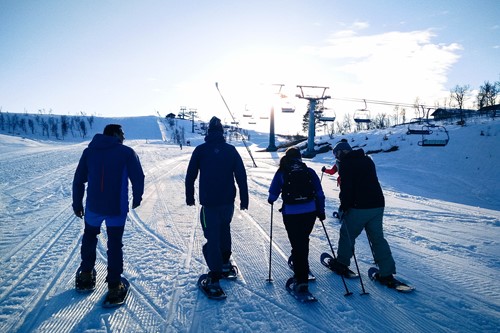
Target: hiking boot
x,y
338,267
86,280
300,288
116,292
388,280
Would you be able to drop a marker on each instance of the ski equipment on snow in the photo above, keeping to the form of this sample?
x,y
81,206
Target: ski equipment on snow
x,y
373,274
298,186
301,296
85,282
327,260
212,291
115,299
310,276
229,272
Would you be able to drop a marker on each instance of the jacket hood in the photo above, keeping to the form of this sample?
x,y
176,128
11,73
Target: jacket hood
x,y
101,141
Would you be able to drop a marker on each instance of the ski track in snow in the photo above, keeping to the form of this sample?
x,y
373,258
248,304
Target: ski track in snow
x,y
455,272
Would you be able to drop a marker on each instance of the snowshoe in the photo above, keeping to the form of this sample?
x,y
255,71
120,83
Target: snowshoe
x,y
300,291
310,276
211,289
229,271
116,296
390,281
328,261
85,282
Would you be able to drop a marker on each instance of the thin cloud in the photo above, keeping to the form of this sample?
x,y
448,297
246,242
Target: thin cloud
x,y
405,62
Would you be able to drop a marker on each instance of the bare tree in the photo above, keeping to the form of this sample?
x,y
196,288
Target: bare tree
x,y
488,93
459,94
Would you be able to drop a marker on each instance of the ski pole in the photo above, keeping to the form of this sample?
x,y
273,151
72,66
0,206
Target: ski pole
x,y
354,255
270,279
347,292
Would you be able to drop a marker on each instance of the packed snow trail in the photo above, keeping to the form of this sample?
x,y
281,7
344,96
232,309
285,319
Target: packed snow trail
x,y
438,246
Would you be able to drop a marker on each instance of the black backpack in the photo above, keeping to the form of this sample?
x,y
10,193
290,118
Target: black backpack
x,y
298,186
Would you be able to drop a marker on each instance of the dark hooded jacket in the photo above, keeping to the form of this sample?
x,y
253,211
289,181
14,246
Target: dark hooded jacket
x,y
107,165
219,164
360,187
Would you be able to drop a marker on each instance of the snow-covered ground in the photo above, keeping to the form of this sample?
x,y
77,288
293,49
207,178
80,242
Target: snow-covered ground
x,y
442,221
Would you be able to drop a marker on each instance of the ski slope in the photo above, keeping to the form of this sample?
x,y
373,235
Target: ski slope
x,y
442,221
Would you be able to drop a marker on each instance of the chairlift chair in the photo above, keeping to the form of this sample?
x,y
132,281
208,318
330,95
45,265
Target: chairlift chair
x,y
362,115
437,138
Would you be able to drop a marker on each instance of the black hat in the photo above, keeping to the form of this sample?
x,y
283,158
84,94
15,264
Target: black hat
x,y
215,125
340,147
293,152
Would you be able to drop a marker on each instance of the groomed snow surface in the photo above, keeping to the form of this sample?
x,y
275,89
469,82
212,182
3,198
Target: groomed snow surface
x,y
442,221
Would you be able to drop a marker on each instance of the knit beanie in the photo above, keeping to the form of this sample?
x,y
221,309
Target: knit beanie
x,y
215,125
341,146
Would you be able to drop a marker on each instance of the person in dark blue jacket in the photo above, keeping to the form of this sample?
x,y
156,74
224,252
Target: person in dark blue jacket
x,y
106,165
219,165
299,218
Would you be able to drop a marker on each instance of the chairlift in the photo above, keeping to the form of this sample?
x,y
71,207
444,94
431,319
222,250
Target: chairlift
x,y
328,115
438,137
247,113
362,115
287,107
415,127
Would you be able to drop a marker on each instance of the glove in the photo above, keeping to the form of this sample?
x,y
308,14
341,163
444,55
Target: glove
x,y
321,216
190,201
79,213
269,201
135,204
243,207
323,169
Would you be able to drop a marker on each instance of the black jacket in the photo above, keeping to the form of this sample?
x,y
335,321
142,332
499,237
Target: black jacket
x,y
359,187
219,165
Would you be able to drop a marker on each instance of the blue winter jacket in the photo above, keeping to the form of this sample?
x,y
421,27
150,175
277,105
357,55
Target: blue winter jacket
x,y
107,165
219,164
317,205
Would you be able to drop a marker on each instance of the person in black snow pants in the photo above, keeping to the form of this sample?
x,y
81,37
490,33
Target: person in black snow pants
x,y
219,165
106,166
361,207
299,213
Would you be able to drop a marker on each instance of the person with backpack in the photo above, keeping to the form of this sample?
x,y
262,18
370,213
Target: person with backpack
x,y
303,202
361,207
219,164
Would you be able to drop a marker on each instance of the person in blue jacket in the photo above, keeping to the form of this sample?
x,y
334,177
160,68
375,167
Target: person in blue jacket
x,y
299,218
219,165
106,165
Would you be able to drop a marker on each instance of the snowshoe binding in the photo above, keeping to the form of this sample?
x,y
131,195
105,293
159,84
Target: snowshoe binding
x,y
310,277
300,291
85,281
211,288
116,296
389,281
229,271
328,261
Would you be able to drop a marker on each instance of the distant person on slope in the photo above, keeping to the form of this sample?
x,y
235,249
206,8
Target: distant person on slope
x,y
106,166
303,201
219,165
361,207
333,170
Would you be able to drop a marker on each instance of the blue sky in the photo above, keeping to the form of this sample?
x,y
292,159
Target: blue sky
x,y
126,58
